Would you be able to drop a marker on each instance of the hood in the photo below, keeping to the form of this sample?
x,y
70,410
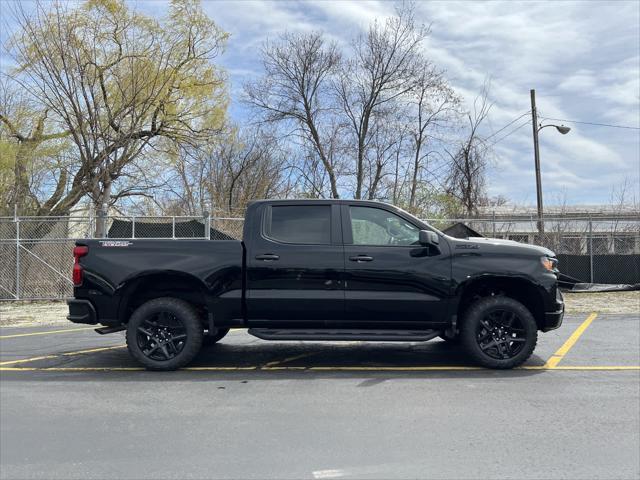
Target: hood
x,y
498,244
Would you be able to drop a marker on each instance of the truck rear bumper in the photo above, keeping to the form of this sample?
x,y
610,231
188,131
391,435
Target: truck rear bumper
x,y
81,311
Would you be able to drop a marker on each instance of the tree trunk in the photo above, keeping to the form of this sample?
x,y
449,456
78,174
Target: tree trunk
x,y
21,192
414,177
102,210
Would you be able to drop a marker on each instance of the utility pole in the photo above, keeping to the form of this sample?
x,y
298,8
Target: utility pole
x,y
536,152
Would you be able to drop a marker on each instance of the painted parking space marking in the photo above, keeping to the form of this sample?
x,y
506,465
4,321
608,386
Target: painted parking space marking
x,y
452,368
58,355
71,369
26,360
555,359
552,363
51,332
46,332
289,359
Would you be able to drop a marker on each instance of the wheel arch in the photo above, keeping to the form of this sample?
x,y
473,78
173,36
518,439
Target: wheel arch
x,y
521,289
150,285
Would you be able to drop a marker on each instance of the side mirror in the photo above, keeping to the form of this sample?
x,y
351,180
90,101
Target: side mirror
x,y
427,237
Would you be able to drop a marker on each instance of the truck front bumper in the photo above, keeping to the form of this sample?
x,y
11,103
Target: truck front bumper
x,y
553,319
82,311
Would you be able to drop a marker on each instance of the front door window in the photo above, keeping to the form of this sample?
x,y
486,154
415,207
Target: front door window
x,y
377,227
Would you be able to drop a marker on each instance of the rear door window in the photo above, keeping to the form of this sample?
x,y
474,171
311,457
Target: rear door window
x,y
308,224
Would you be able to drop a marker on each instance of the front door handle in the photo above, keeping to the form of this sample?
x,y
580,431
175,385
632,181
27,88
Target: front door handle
x,y
361,258
267,257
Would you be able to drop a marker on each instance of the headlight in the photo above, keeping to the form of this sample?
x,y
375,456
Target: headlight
x,y
549,263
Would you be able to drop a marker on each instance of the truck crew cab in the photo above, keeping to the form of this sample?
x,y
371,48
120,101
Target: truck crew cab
x,y
319,270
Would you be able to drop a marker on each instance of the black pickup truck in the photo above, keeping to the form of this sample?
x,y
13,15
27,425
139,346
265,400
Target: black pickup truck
x,y
319,270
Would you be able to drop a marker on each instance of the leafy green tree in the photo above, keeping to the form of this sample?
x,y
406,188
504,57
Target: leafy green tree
x,y
28,144
121,83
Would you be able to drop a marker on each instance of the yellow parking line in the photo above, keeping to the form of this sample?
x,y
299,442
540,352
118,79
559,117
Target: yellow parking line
x,y
67,354
71,369
91,350
222,369
452,368
571,341
25,360
48,332
596,367
289,359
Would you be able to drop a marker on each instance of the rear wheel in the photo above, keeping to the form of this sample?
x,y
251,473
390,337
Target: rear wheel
x,y
164,334
499,332
218,335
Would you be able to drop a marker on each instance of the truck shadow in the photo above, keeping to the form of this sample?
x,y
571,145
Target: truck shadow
x,y
343,357
255,360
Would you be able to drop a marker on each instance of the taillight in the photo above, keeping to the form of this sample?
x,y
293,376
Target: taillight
x,y
79,251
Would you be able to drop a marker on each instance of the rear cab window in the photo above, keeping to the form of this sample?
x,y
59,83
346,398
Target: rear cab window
x,y
299,224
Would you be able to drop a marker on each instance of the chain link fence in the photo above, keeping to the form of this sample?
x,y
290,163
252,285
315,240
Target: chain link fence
x,y
36,260
35,252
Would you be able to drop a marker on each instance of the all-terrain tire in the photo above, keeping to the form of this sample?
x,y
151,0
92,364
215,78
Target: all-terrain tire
x,y
208,340
472,324
179,310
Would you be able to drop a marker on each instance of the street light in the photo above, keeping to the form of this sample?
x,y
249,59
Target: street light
x,y
561,128
536,151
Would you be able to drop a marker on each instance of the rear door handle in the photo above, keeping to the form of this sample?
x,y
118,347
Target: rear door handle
x,y
267,257
361,258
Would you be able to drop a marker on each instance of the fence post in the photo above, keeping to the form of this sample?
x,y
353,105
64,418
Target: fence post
x,y
590,249
92,229
494,223
101,222
133,227
207,225
17,258
173,227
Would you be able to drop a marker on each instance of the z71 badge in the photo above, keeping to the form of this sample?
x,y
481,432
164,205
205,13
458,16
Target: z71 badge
x,y
115,243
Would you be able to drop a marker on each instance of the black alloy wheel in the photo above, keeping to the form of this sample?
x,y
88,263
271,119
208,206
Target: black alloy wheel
x,y
498,332
164,334
161,336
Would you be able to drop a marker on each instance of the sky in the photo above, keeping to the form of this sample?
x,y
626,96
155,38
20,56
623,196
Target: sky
x,y
582,58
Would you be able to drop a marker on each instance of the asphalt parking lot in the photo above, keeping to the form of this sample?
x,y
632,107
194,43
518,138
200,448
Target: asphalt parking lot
x,y
74,405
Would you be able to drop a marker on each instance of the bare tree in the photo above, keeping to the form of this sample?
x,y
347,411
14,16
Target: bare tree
x,y
466,176
385,148
365,116
120,82
224,176
294,89
433,104
382,70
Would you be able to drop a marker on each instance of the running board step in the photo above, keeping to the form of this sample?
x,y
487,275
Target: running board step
x,y
344,334
105,330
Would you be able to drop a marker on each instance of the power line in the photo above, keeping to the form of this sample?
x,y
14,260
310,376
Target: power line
x,y
590,123
507,125
528,122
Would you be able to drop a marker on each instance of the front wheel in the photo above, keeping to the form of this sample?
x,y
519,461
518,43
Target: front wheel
x,y
499,332
164,334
